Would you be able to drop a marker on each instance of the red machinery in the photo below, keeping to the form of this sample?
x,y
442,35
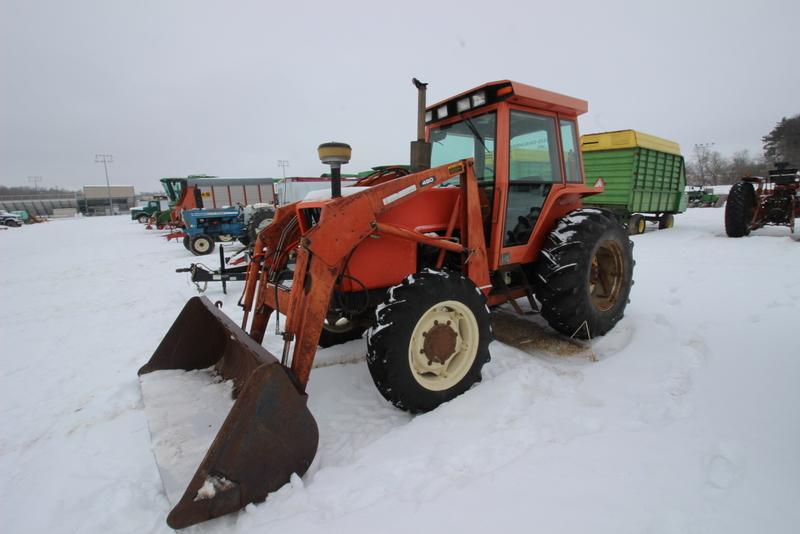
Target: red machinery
x,y
416,257
755,202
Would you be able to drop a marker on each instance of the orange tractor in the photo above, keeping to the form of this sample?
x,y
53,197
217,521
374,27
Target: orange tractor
x,y
490,213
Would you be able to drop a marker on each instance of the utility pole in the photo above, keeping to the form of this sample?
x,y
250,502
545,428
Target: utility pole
x,y
701,152
105,159
35,181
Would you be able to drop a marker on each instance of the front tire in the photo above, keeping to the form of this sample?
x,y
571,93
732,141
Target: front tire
x,y
200,245
186,243
584,274
666,221
739,209
430,340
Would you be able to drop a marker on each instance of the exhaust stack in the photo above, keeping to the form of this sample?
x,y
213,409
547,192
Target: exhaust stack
x,y
420,150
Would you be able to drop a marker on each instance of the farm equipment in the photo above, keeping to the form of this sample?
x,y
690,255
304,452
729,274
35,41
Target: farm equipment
x,y
644,177
202,228
209,192
231,269
418,257
755,202
703,197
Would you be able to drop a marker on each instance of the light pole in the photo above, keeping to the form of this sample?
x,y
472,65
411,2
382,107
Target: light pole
x,y
283,163
105,159
35,181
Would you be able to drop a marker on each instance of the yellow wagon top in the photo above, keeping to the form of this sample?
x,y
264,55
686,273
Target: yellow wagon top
x,y
627,139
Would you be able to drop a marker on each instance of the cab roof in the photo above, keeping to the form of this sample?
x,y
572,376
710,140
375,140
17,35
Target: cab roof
x,y
528,95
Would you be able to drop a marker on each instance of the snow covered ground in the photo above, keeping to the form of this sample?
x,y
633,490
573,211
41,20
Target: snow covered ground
x,y
687,422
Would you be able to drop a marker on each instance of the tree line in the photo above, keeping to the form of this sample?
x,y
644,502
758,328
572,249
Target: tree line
x,y
781,144
27,190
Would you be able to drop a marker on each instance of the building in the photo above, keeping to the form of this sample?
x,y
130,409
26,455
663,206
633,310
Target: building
x,y
95,199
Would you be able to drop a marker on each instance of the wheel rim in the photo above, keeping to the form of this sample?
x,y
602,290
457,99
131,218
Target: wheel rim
x,y
202,245
337,324
226,238
670,222
606,275
443,345
641,226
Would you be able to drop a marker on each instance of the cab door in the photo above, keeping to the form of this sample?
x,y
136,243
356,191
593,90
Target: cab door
x,y
534,168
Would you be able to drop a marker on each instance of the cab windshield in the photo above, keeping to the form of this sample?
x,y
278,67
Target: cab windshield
x,y
470,138
172,188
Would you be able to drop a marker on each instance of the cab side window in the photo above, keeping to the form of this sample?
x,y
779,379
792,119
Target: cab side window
x,y
572,161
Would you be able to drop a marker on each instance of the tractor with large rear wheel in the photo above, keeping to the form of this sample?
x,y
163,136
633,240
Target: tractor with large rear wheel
x,y
491,212
755,202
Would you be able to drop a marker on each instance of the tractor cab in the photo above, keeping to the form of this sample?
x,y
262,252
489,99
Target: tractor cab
x,y
173,187
524,143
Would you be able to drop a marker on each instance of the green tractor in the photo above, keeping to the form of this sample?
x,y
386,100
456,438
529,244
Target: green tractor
x,y
703,197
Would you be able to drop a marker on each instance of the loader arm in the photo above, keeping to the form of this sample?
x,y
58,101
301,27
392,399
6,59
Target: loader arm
x,y
322,251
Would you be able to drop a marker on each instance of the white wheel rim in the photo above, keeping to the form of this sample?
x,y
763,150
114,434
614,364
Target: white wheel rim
x,y
225,238
201,245
454,325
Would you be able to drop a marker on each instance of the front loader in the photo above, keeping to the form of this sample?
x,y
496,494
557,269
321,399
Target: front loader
x,y
490,213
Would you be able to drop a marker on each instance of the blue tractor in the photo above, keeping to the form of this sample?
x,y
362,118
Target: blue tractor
x,y
206,227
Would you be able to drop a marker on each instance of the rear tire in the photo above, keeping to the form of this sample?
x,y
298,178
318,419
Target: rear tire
x,y
143,218
258,221
739,209
430,340
666,221
584,274
200,245
186,243
636,224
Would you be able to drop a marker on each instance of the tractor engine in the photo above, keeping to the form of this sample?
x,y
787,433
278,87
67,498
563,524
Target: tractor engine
x,y
778,206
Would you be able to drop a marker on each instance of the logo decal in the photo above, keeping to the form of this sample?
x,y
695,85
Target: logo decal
x,y
426,181
455,169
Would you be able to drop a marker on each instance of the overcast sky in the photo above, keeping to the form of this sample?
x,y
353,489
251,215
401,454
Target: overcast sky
x,y
228,88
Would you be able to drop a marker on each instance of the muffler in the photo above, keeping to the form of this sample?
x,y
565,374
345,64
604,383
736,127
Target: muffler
x,y
268,435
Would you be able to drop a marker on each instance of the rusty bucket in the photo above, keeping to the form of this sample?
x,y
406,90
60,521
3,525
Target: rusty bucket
x,y
204,362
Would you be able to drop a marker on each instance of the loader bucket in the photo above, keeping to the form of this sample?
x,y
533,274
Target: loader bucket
x,y
268,435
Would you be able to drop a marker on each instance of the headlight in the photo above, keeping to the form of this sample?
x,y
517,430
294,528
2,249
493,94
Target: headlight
x,y
478,99
462,105
441,112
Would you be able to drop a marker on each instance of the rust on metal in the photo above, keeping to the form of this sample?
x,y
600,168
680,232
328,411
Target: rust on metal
x,y
269,433
440,343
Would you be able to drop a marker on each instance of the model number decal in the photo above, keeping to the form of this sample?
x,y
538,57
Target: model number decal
x,y
426,181
400,194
